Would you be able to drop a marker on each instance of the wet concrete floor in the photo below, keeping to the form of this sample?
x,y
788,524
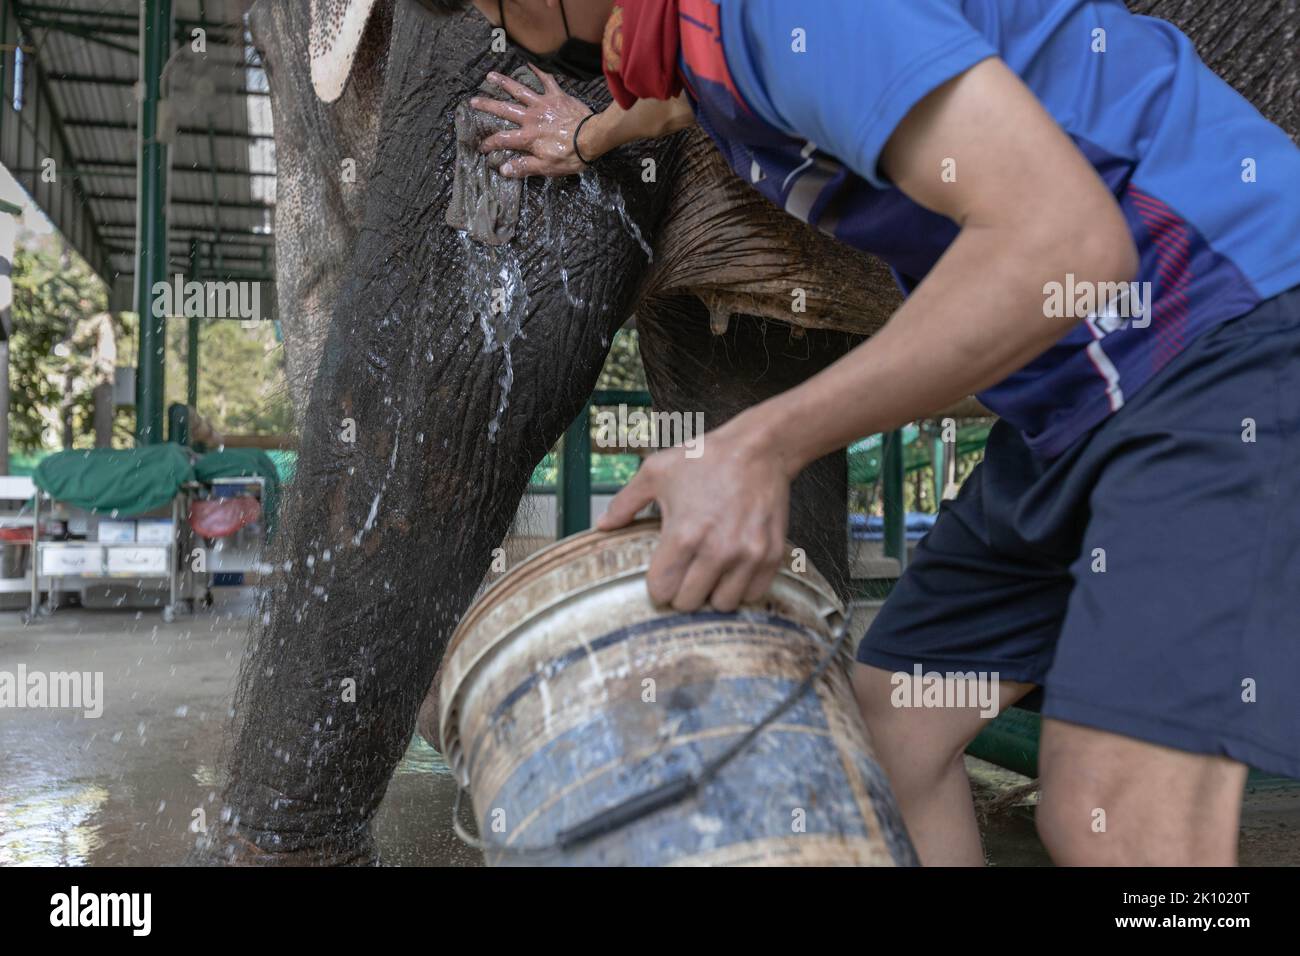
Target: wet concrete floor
x,y
125,788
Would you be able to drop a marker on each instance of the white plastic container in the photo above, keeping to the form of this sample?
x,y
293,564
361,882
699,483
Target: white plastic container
x,y
112,531
154,531
71,559
151,560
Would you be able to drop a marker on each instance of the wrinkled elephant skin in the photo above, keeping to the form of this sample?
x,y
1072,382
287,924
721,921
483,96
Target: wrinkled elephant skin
x,y
431,406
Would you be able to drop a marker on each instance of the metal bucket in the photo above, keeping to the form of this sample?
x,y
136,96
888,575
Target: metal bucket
x,y
566,694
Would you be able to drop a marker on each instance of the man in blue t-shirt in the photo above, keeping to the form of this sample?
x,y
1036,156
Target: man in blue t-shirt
x,y
1100,238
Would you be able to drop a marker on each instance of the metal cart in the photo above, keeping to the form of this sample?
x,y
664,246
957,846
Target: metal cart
x,y
68,562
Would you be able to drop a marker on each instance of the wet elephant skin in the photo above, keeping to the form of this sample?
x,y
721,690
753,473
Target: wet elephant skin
x,y
410,468
389,535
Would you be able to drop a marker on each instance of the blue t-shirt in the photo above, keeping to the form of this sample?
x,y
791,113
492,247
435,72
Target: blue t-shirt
x,y
801,98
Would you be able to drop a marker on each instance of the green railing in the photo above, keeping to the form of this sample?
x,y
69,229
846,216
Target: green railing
x,y
574,485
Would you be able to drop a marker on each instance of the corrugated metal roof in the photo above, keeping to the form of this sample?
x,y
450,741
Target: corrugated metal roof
x,y
222,187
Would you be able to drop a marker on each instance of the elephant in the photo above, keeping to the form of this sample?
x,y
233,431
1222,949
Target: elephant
x,y
433,371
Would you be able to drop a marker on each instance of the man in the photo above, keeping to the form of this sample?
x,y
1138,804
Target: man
x,y
1100,238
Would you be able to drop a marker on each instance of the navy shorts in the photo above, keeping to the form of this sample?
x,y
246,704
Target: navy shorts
x,y
1190,636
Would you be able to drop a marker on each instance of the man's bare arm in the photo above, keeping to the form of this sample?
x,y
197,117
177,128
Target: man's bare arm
x,y
1030,209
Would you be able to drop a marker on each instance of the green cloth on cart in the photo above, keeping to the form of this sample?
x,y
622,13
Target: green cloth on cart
x,y
285,463
115,481
243,463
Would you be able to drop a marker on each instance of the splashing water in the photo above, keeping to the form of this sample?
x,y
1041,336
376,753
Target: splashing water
x,y
493,285
553,239
374,505
606,195
548,196
493,281
596,193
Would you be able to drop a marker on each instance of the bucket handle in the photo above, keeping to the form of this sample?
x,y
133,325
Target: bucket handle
x,y
671,792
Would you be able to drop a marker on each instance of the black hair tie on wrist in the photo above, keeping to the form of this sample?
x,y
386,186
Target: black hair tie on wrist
x,y
577,152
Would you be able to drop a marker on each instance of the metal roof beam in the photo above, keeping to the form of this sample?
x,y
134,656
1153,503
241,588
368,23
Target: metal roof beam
x,y
79,227
91,165
218,34
127,171
89,34
81,11
247,233
90,79
122,16
246,204
184,130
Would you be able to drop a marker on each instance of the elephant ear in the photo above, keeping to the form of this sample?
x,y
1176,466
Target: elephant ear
x,y
335,33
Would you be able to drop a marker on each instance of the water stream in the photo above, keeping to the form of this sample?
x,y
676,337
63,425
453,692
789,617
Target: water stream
x,y
497,297
492,280
606,195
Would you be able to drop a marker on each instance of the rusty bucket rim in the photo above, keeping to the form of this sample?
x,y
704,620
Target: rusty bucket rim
x,y
559,552
536,564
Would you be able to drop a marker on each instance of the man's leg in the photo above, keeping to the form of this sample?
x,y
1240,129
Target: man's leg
x,y
921,750
978,597
1109,800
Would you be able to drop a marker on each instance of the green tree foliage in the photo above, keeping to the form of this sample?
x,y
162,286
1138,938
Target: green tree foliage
x,y
622,371
50,376
241,367
623,368
242,387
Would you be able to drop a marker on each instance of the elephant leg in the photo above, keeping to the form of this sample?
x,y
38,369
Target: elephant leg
x,y
690,369
396,508
449,370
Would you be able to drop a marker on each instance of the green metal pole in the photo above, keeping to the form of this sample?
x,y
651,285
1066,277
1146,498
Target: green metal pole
x,y
938,461
892,481
178,424
573,494
620,396
192,338
151,222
